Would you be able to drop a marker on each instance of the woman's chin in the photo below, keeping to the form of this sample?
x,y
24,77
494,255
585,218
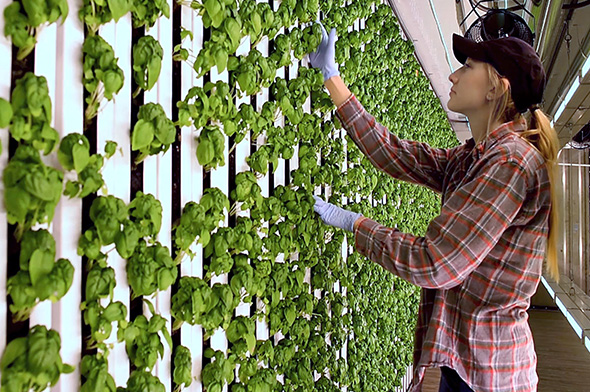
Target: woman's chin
x,y
454,108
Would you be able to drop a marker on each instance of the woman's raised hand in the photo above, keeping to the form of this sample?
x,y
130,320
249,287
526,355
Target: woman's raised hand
x,y
324,57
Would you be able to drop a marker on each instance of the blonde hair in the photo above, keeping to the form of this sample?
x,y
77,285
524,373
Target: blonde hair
x,y
541,135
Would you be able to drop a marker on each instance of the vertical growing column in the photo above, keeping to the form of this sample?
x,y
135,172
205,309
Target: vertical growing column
x,y
191,173
261,98
6,67
113,123
241,152
219,178
158,177
69,117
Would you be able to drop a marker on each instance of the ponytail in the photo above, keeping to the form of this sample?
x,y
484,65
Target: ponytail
x,y
543,137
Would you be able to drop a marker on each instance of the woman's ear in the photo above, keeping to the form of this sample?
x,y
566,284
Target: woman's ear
x,y
495,93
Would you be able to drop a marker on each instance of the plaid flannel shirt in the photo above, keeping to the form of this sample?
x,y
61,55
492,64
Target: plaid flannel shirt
x,y
481,259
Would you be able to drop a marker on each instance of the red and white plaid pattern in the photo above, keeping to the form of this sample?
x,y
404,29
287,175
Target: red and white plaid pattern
x,y
480,260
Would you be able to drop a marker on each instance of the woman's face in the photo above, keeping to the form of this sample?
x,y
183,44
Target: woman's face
x,y
471,88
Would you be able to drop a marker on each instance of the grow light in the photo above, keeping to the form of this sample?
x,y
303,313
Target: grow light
x,y
569,317
586,66
548,287
567,98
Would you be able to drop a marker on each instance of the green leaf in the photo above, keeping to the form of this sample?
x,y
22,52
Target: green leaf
x,y
142,136
110,148
205,152
15,349
119,8
100,283
126,240
220,59
113,81
5,113
81,156
41,264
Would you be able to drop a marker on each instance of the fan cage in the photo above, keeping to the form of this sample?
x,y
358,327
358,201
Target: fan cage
x,y
498,24
581,140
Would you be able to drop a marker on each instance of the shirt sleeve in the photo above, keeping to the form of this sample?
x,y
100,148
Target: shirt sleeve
x,y
470,224
402,159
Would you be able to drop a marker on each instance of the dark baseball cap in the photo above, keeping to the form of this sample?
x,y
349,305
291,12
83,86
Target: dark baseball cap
x,y
514,59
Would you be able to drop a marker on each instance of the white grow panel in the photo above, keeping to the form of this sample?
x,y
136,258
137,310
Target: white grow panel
x,y
68,109
191,190
157,180
5,66
113,123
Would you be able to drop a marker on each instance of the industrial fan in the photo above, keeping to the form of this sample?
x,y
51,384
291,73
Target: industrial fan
x,y
498,23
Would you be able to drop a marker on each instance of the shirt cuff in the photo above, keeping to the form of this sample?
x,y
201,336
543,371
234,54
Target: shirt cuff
x,y
345,103
363,234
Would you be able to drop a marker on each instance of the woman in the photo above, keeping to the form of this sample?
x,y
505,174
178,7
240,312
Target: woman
x,y
481,259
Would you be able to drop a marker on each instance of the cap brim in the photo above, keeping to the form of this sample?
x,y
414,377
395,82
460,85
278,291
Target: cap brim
x,y
464,48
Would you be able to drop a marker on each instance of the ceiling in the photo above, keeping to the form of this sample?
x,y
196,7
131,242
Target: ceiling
x,y
562,39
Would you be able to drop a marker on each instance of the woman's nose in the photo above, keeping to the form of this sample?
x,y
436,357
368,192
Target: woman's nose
x,y
453,78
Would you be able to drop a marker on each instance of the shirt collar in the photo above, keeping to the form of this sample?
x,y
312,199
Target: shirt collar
x,y
496,135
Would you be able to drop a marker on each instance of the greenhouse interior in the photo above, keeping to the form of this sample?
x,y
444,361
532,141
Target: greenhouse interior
x,y
183,154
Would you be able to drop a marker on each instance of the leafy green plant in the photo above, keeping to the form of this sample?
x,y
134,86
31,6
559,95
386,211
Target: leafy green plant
x,y
252,72
305,41
40,277
94,368
33,362
307,10
259,20
211,104
247,191
226,34
94,13
213,11
199,220
146,212
147,12
74,154
281,55
180,53
244,283
153,132
218,372
228,25
100,282
89,181
100,319
183,363
140,381
196,302
102,76
31,118
147,62
226,242
142,340
115,222
5,113
108,213
24,19
242,330
32,189
211,147
195,107
150,268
